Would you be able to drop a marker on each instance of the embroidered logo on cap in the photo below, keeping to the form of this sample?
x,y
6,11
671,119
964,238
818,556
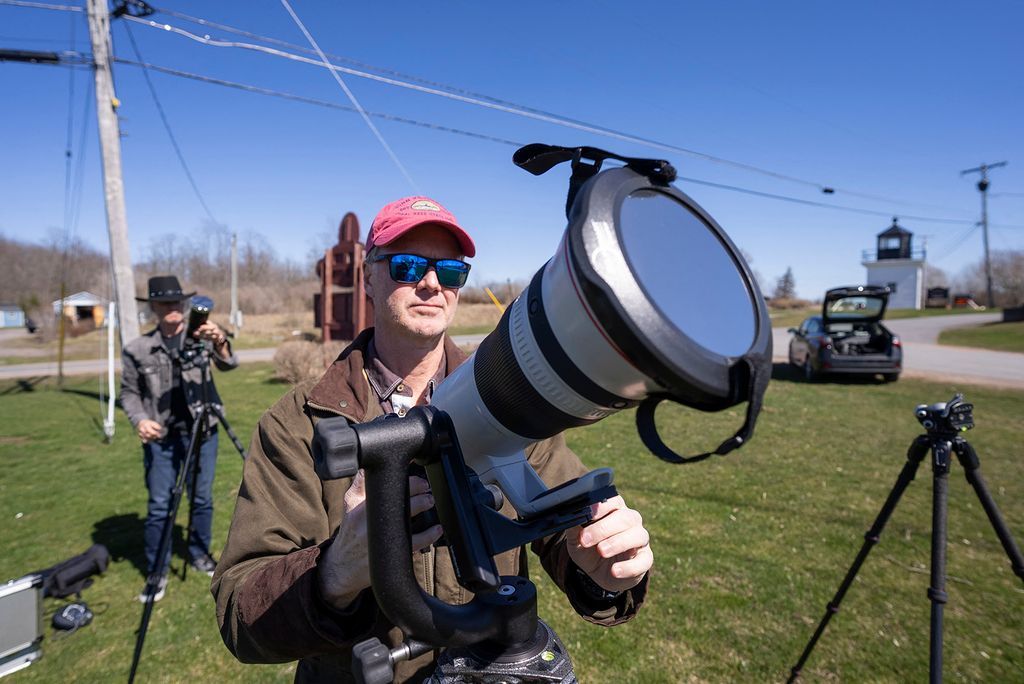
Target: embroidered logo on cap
x,y
424,205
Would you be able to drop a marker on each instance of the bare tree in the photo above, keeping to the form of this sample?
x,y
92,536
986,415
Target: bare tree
x,y
785,286
1007,277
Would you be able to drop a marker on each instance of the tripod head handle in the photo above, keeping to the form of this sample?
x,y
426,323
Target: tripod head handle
x,y
504,608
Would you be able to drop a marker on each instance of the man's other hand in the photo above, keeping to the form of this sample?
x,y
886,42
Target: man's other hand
x,y
614,549
148,430
344,569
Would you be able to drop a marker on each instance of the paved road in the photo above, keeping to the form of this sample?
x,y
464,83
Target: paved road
x,y
921,357
927,328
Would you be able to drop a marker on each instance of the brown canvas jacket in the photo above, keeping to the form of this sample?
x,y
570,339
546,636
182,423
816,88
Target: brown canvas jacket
x,y
268,606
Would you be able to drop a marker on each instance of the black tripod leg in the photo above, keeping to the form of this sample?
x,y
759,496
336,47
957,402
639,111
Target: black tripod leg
x,y
162,560
969,460
915,454
937,589
195,440
227,428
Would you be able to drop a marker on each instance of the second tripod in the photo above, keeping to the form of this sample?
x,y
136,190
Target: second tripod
x,y
188,473
943,423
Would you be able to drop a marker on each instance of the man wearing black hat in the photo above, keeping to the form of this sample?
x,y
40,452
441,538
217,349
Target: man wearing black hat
x,y
161,396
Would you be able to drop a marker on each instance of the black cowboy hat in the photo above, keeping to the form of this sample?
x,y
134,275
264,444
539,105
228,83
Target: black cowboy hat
x,y
165,288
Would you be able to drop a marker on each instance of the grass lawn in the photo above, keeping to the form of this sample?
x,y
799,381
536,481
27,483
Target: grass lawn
x,y
998,336
791,318
748,548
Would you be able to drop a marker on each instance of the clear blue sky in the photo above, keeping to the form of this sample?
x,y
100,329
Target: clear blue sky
x,y
884,99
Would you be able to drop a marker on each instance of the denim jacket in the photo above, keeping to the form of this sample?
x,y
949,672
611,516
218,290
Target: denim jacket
x,y
146,380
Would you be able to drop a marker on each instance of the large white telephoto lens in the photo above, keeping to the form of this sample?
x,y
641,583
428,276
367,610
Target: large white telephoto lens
x,y
645,299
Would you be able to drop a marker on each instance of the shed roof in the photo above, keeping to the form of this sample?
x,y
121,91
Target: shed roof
x,y
82,298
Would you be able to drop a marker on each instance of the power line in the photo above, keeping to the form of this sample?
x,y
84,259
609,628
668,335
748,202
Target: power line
x,y
504,141
471,97
837,207
313,101
959,240
41,5
500,105
350,95
167,127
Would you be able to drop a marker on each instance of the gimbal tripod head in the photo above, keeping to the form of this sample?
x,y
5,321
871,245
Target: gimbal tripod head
x,y
646,299
946,417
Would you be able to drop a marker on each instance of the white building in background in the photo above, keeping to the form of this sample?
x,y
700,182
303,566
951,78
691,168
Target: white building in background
x,y
898,265
82,306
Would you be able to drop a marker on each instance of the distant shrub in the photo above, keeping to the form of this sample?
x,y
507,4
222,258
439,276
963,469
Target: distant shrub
x,y
298,360
788,303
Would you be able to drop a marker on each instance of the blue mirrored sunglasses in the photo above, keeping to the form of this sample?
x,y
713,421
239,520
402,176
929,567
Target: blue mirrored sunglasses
x,y
410,268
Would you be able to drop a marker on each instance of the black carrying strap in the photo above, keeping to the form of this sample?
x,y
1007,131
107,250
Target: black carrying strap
x,y
538,158
760,373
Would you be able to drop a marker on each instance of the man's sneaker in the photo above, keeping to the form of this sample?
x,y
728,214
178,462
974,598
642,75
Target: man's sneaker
x,y
156,587
204,563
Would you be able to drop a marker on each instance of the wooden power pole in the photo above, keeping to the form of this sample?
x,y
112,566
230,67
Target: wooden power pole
x,y
983,189
113,185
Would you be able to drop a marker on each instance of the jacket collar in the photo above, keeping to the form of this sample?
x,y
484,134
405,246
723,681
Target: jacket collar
x,y
344,389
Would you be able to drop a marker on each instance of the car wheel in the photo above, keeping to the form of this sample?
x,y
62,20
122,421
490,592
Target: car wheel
x,y
810,375
890,377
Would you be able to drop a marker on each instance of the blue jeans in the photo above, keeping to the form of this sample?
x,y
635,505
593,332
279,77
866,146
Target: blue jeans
x,y
163,460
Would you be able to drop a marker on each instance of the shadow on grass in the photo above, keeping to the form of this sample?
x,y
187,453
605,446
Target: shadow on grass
x,y
122,535
28,385
784,372
97,424
91,395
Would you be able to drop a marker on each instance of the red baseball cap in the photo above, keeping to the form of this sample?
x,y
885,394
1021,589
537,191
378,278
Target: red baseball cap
x,y
399,217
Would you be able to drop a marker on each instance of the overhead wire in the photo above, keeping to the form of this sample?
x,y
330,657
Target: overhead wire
x,y
838,207
76,192
351,96
471,97
462,95
324,62
955,245
167,127
42,5
259,90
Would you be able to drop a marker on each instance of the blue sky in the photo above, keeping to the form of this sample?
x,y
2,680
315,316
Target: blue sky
x,y
890,100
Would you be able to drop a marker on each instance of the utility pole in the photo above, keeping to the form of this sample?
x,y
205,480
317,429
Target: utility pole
x,y
983,188
236,316
113,185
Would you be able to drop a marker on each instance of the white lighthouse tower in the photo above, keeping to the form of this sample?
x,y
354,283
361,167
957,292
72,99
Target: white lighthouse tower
x,y
896,264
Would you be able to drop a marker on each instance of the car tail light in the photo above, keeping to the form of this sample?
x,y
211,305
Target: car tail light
x,y
896,342
826,342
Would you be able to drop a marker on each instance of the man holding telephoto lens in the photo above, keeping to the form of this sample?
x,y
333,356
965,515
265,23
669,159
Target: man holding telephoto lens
x,y
162,392
294,579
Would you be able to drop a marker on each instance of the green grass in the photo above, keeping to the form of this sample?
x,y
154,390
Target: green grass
x,y
748,548
998,336
919,313
791,318
470,329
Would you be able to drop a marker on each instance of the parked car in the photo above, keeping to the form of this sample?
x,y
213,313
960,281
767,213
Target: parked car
x,y
848,337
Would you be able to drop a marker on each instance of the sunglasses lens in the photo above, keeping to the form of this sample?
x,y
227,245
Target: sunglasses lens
x,y
451,272
407,268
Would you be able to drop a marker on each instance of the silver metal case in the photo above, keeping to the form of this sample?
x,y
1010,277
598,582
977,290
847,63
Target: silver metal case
x,y
21,623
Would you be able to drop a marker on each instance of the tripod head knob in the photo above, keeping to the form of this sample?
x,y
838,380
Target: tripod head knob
x,y
371,663
335,449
